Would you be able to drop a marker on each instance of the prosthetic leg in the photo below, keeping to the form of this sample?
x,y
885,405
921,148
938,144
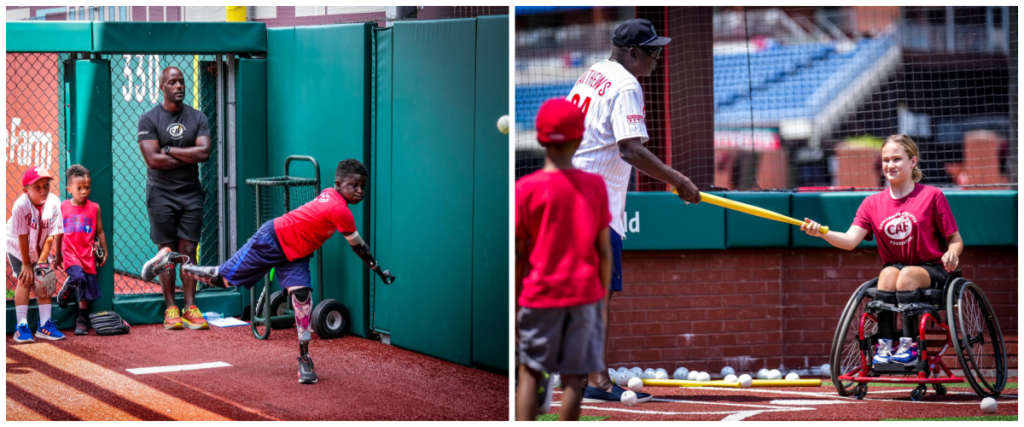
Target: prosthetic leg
x,y
209,275
302,303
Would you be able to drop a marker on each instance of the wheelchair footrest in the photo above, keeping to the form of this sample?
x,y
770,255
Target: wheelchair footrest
x,y
895,368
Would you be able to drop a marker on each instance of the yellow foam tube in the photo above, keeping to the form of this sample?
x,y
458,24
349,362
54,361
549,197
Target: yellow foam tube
x,y
755,383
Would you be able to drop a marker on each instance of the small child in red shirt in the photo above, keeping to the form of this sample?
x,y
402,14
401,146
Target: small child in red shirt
x,y
918,241
563,268
286,244
83,246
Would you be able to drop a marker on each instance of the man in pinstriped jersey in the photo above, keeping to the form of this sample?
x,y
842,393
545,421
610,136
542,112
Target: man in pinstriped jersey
x,y
613,107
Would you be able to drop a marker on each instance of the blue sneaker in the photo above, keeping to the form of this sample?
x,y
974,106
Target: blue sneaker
x,y
907,352
49,331
883,351
23,334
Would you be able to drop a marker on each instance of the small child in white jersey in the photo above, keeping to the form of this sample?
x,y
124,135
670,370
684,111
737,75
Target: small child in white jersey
x,y
34,224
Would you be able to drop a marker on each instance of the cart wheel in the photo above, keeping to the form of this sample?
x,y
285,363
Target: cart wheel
x,y
279,306
940,390
846,355
860,391
918,392
976,337
330,318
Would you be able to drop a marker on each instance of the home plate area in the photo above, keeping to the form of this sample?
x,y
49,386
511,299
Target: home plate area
x,y
790,404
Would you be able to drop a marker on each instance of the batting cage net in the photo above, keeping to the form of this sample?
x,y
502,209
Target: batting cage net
x,y
796,98
38,119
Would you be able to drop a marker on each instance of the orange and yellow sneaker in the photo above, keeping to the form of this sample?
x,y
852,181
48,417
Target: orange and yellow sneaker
x,y
193,318
172,318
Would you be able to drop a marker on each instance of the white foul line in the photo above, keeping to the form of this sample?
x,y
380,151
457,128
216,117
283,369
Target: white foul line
x,y
159,369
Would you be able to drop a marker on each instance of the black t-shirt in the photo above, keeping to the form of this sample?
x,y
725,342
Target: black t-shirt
x,y
178,129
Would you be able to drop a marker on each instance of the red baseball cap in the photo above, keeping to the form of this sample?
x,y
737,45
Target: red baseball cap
x,y
559,121
34,174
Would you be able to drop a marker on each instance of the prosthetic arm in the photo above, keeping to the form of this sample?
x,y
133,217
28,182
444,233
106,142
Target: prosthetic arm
x,y
363,250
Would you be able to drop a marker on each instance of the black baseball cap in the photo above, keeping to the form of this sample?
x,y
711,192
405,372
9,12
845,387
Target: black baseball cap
x,y
637,32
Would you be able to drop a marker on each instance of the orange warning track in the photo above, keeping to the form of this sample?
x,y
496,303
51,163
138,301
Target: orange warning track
x,y
85,378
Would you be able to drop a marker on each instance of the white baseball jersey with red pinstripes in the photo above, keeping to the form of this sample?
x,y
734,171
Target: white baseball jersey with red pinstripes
x,y
613,106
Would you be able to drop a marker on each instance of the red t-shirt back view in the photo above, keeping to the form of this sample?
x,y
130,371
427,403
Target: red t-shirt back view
x,y
911,230
305,229
559,214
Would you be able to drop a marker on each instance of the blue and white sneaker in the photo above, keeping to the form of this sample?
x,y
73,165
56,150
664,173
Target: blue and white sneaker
x,y
49,331
23,334
883,351
907,352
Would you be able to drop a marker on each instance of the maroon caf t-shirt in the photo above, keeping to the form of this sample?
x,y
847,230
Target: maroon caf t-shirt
x,y
911,230
559,214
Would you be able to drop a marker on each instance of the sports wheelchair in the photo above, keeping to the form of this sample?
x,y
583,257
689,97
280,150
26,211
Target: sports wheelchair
x,y
970,328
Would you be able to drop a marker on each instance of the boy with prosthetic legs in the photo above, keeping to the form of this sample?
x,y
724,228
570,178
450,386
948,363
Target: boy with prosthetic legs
x,y
286,245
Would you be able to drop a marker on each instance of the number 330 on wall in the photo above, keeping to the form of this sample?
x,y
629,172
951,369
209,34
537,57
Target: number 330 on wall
x,y
148,72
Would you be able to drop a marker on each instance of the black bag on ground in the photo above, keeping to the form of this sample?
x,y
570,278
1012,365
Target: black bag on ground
x,y
109,323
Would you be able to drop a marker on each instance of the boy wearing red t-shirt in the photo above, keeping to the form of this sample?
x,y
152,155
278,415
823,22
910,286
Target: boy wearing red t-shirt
x,y
83,246
562,239
286,245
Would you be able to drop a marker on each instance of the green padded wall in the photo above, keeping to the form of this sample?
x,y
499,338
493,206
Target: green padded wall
x,y
49,36
985,218
836,210
318,104
380,307
748,231
661,221
490,196
178,37
250,143
432,171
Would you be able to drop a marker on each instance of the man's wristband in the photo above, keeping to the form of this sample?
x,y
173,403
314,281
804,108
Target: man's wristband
x,y
167,150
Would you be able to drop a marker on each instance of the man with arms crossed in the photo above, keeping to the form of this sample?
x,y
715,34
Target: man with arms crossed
x,y
174,139
613,105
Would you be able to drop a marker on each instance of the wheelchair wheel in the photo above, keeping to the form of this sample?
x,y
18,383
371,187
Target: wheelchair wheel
x,y
977,339
918,392
940,390
845,354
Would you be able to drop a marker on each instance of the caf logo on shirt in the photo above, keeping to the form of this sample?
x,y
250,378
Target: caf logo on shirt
x,y
176,130
899,227
324,198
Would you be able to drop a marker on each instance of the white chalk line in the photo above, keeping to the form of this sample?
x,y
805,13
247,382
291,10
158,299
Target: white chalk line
x,y
640,411
748,405
176,368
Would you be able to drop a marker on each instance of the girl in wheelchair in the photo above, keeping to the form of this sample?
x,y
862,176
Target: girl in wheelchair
x,y
917,240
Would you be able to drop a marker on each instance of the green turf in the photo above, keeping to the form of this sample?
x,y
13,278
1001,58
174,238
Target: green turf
x,y
988,418
554,417
955,385
1014,419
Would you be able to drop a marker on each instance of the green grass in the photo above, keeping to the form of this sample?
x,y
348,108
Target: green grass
x,y
1014,419
988,418
954,385
554,417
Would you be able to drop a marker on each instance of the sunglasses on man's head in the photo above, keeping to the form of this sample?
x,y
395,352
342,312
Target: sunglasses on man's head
x,y
653,52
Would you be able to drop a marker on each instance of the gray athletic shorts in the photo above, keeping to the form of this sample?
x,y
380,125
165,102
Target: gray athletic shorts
x,y
568,340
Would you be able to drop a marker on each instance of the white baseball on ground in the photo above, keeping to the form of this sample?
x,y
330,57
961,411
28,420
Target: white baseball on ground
x,y
746,381
703,376
622,369
988,405
730,378
680,374
661,370
774,374
648,374
826,370
503,124
635,384
628,398
792,376
762,374
692,375
661,375
728,371
622,379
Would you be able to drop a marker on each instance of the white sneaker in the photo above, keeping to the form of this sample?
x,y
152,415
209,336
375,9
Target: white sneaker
x,y
883,350
907,351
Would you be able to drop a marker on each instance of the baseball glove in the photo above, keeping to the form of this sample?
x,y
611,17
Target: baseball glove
x,y
45,278
109,323
98,253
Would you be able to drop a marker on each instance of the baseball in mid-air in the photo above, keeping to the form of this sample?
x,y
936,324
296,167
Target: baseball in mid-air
x,y
503,124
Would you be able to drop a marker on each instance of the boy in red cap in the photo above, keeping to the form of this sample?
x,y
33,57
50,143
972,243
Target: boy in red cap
x,y
563,268
34,223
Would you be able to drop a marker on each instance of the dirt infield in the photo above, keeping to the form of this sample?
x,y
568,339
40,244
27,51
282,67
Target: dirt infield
x,y
794,404
86,378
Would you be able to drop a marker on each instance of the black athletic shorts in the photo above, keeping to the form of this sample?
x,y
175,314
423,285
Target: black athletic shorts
x,y
935,271
175,214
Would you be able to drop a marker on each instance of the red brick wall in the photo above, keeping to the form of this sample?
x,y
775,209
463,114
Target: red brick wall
x,y
754,308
